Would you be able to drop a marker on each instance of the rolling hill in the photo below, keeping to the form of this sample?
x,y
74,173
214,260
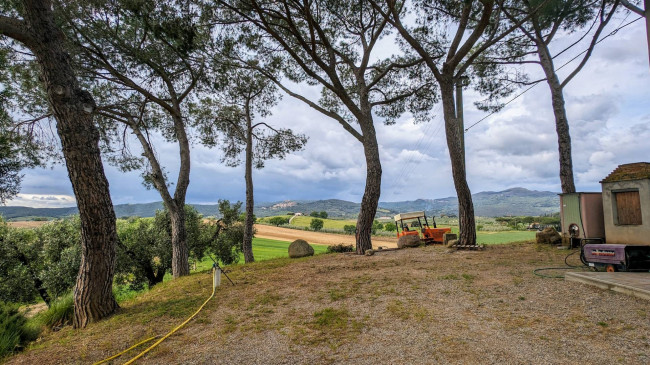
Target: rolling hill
x,y
515,201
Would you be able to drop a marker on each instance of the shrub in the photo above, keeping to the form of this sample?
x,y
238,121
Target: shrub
x,y
340,248
323,214
278,221
314,214
316,224
349,228
390,227
376,226
14,329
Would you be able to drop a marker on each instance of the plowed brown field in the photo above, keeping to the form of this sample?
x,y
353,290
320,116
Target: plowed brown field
x,y
287,234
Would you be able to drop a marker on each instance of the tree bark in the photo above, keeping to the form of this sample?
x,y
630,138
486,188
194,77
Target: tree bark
x,y
175,205
72,107
180,253
372,191
466,221
248,225
561,120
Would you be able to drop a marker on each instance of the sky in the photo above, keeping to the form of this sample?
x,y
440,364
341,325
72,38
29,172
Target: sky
x,y
607,104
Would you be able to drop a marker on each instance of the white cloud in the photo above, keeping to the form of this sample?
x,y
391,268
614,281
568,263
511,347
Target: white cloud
x,y
42,201
606,103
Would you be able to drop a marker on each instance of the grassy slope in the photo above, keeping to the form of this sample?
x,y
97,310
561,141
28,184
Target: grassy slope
x,y
404,306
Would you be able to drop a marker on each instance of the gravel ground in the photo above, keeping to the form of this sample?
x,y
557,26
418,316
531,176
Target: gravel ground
x,y
414,306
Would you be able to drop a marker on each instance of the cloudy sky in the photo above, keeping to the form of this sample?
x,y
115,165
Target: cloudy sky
x,y
607,104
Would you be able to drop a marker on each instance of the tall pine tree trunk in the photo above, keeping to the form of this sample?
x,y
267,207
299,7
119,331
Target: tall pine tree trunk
x,y
466,219
248,224
561,120
180,253
372,190
72,107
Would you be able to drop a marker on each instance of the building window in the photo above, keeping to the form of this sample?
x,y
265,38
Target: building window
x,y
628,207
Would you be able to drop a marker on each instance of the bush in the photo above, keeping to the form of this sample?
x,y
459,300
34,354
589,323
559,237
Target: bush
x,y
376,226
349,228
41,261
390,227
316,224
14,329
278,221
323,214
340,248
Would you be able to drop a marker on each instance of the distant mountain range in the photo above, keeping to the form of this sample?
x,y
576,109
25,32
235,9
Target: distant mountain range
x,y
515,201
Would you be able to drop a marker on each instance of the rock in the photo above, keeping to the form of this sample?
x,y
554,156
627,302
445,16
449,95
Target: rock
x,y
300,248
451,243
448,237
408,241
548,236
370,252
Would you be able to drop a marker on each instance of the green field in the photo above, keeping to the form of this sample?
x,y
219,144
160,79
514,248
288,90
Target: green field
x,y
303,221
492,238
264,249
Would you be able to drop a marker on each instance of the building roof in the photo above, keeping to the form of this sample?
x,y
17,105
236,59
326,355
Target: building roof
x,y
630,171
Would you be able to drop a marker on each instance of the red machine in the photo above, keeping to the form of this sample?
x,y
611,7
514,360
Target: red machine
x,y
419,225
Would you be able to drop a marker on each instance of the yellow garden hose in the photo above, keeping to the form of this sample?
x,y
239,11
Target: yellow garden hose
x,y
125,351
215,280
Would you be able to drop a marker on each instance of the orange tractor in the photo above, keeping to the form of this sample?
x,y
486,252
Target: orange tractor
x,y
419,227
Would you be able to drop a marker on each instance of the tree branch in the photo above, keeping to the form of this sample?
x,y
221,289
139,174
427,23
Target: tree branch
x,y
16,29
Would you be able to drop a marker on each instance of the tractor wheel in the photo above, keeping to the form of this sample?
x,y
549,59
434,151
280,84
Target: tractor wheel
x,y
611,268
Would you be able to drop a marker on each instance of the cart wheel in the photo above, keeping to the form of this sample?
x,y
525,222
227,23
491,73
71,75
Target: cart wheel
x,y
611,268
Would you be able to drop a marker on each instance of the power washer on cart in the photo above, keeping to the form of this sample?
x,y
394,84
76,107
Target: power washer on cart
x,y
612,228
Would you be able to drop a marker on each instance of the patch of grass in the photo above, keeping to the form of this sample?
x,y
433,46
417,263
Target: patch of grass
x,y
397,309
468,277
336,294
332,326
602,324
58,315
15,329
264,300
331,319
449,277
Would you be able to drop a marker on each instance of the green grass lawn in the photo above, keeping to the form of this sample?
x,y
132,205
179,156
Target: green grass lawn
x,y
495,238
264,249
492,238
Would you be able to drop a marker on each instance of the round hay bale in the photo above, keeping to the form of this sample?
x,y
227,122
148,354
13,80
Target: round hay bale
x,y
408,241
548,236
300,248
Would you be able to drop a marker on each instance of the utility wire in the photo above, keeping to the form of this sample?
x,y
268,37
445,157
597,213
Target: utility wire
x,y
557,69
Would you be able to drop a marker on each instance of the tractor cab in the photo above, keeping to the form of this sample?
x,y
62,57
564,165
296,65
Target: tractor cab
x,y
417,224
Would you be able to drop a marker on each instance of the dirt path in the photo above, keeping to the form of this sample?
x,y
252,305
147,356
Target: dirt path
x,y
320,238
